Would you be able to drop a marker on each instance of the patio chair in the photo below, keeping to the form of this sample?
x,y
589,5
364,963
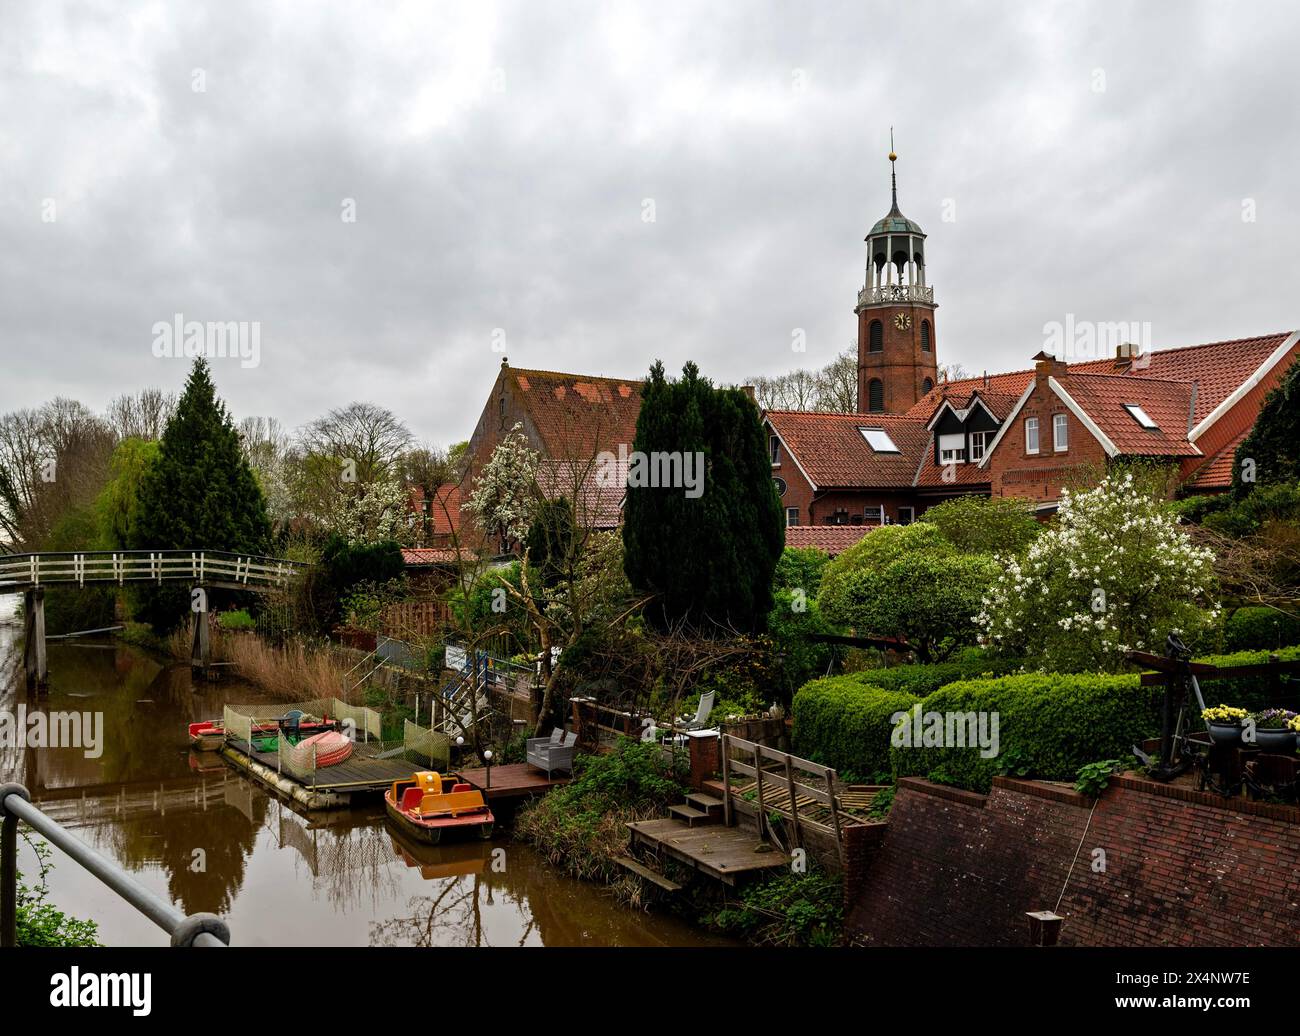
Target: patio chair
x,y
702,712
554,752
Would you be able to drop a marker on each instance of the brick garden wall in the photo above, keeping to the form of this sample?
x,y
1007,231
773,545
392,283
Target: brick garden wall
x,y
959,869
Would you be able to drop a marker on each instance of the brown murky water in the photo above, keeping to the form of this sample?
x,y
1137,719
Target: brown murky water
x,y
208,839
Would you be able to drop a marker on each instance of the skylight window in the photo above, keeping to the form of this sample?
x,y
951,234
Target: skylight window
x,y
1140,416
878,439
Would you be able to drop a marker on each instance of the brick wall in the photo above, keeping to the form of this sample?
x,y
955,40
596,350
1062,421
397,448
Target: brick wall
x,y
957,869
1040,476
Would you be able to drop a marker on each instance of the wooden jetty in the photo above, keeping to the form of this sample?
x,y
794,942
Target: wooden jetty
x,y
511,781
725,853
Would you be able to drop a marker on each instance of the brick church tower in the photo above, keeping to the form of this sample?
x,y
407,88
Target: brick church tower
x,y
896,343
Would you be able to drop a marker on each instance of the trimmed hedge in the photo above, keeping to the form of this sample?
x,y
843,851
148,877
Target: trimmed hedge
x,y
920,680
1248,692
1048,726
1256,628
842,721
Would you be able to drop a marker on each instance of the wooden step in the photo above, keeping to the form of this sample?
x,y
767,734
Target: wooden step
x,y
691,816
711,804
642,871
715,788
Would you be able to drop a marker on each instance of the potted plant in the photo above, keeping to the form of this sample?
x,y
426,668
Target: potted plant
x,y
1225,724
1274,730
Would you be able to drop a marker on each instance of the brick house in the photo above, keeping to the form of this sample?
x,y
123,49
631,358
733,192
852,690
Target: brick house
x,y
917,441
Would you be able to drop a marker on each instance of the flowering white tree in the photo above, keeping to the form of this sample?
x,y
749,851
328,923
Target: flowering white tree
x,y
1114,573
374,512
505,494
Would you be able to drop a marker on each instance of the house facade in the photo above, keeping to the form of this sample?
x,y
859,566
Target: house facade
x,y
918,439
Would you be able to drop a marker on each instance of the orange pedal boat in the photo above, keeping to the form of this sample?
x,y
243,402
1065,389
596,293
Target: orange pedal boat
x,y
428,803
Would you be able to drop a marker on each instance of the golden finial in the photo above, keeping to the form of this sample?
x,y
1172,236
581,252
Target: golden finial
x,y
892,157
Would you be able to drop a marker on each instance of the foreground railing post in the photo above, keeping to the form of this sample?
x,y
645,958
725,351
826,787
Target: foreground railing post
x,y
9,865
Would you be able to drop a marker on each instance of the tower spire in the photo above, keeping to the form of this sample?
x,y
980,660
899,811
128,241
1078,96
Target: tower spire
x,y
893,177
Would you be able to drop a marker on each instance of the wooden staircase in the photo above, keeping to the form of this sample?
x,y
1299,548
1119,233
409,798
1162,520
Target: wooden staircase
x,y
700,808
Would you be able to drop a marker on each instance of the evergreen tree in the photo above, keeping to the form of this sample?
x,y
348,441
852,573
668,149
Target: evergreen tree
x,y
199,494
1269,452
709,557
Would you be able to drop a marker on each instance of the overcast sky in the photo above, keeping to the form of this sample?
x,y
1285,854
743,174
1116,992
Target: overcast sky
x,y
503,163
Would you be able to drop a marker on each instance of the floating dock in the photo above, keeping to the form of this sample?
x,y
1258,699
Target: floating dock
x,y
332,787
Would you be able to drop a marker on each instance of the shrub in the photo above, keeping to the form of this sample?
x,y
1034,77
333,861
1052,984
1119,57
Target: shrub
x,y
908,581
1248,628
580,827
1250,692
844,722
986,525
788,910
236,620
800,568
1049,726
920,680
1247,516
1115,572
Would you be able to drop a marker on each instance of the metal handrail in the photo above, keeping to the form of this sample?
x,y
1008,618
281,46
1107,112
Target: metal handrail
x,y
15,804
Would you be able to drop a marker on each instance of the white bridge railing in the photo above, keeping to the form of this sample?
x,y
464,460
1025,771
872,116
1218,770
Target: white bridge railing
x,y
28,571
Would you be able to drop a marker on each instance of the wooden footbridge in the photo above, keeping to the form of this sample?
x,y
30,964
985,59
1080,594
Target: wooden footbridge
x,y
30,574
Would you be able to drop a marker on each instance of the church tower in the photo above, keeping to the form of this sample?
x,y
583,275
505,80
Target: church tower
x,y
896,343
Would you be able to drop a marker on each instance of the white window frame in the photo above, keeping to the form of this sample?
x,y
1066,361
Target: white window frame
x,y
1031,427
952,453
874,514
791,513
1141,417
867,431
911,515
1060,433
982,438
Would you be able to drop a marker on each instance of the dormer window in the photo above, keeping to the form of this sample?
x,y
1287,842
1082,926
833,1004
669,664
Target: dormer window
x,y
878,439
1140,416
951,448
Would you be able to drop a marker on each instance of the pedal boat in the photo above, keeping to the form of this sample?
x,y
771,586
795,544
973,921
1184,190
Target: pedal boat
x,y
209,735
428,804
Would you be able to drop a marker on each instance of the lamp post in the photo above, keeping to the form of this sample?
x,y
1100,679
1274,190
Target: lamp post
x,y
487,758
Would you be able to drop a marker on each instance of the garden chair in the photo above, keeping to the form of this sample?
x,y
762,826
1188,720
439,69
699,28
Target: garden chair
x,y
702,712
554,752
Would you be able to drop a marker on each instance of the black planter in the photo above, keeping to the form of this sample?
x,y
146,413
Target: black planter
x,y
1275,740
1225,733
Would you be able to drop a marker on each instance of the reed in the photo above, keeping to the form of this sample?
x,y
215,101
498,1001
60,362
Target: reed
x,y
298,670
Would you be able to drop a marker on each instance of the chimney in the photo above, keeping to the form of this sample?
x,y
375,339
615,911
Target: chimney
x,y
1124,353
749,391
1048,366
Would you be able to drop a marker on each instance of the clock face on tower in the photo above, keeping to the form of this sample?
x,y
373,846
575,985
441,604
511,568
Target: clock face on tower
x,y
903,321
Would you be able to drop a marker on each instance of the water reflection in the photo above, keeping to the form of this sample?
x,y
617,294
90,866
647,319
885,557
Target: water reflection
x,y
194,830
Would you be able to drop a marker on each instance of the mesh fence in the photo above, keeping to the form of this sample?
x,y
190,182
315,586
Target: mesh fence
x,y
258,726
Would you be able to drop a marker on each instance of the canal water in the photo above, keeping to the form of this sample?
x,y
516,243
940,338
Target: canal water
x,y
193,830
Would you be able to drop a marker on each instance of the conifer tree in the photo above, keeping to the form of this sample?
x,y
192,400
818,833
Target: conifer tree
x,y
1269,454
708,558
199,493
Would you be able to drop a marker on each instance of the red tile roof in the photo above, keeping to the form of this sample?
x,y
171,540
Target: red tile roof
x,y
578,415
1217,367
1167,403
833,539
1216,473
418,557
832,451
597,506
